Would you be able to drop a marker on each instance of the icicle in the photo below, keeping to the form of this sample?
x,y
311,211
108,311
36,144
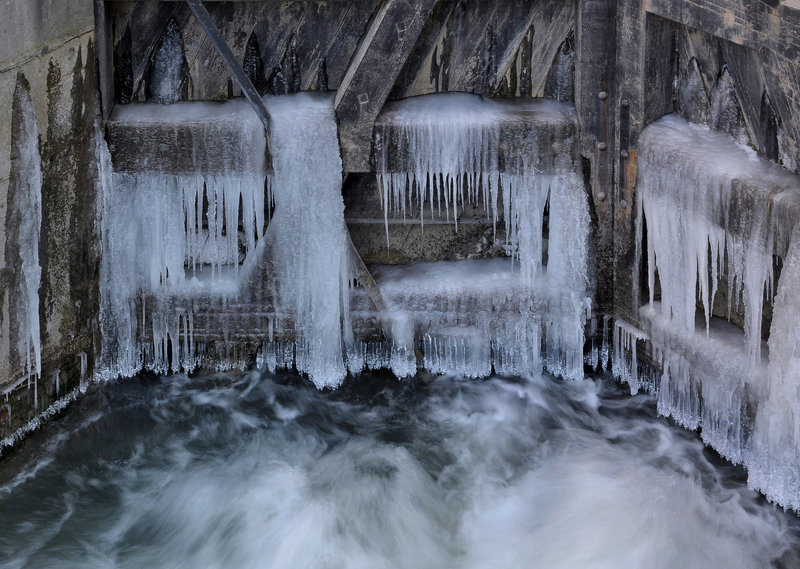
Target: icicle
x,y
176,234
27,205
446,149
775,455
687,201
308,233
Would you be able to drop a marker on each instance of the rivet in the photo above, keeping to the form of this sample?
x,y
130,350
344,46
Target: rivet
x,y
556,147
624,103
601,196
601,146
623,204
602,95
624,153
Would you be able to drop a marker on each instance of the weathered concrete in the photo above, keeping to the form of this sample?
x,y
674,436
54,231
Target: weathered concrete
x,y
48,47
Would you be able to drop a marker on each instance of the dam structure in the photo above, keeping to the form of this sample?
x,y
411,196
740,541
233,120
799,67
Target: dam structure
x,y
427,187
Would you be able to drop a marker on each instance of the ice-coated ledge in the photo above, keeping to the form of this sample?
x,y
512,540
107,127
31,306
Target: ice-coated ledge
x,y
186,137
436,133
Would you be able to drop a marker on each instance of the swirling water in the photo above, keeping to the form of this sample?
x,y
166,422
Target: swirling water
x,y
258,470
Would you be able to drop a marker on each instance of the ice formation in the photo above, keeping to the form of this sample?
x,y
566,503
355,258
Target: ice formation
x,y
472,315
439,153
707,215
773,466
713,208
195,237
176,235
307,234
27,210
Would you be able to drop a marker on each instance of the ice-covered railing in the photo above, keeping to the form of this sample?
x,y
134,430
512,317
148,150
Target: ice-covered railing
x,y
437,153
713,210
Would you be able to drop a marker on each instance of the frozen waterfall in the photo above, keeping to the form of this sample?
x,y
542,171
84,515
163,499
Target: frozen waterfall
x,y
439,153
22,247
713,209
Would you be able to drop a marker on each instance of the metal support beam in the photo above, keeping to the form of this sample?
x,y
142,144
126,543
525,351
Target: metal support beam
x,y
233,65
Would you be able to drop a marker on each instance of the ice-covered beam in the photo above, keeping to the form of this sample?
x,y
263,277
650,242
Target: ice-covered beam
x,y
525,130
372,73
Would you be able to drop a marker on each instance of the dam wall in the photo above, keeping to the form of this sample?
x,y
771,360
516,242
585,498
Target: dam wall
x,y
579,91
49,110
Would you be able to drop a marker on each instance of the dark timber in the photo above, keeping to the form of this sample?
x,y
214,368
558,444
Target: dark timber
x,y
233,65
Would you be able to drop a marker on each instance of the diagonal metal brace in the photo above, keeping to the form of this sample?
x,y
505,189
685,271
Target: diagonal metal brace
x,y
202,15
233,65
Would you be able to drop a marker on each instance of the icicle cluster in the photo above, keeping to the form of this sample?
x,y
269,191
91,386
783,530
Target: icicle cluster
x,y
439,153
174,236
307,234
774,466
702,222
712,208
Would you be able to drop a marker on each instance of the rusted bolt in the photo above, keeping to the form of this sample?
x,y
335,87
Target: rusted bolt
x,y
624,153
602,95
601,196
602,146
624,103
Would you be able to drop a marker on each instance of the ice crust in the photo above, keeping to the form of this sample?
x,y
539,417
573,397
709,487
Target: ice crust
x,y
27,211
166,254
713,208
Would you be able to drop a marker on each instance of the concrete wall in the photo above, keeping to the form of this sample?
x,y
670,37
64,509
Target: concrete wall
x,y
47,47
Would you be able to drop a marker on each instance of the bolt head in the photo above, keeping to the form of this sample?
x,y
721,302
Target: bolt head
x,y
601,146
624,153
602,95
601,196
623,204
556,147
624,103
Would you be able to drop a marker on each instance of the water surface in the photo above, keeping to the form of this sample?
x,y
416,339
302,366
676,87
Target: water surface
x,y
264,471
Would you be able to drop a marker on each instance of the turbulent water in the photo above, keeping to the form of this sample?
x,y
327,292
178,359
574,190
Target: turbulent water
x,y
266,471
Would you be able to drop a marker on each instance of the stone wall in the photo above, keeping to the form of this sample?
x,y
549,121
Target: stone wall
x,y
47,75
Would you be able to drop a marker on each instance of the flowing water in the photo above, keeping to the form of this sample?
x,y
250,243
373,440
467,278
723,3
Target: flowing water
x,y
261,470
